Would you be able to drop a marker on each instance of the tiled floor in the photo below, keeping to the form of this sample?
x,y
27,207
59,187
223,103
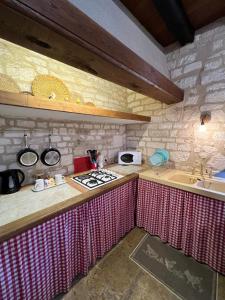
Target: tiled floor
x,y
116,277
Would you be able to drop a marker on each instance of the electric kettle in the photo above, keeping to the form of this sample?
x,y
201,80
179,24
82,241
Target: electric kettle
x,y
10,181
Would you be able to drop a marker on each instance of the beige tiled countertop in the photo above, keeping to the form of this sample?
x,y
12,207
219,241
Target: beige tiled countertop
x,y
26,209
163,176
25,202
127,169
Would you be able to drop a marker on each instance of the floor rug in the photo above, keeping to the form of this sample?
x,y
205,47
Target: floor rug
x,y
187,278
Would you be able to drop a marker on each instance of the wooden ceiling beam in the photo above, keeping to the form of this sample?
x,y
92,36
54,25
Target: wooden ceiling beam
x,y
199,12
176,19
59,30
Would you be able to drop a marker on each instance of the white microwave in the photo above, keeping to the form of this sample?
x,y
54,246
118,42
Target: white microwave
x,y
129,158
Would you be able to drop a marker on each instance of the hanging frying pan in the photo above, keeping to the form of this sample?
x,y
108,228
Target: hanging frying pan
x,y
50,156
27,157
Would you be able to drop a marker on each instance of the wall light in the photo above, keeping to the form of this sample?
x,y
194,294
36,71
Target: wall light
x,y
205,117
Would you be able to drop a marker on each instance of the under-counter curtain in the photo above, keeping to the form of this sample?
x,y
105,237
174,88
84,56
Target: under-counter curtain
x,y
111,216
43,261
190,222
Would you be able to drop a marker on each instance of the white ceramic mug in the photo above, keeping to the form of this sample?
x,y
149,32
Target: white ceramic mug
x,y
59,179
39,185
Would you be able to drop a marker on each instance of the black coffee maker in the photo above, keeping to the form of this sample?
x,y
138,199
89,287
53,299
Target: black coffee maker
x,y
10,181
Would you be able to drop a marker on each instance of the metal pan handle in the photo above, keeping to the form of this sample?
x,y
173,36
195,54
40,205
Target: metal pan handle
x,y
50,141
25,140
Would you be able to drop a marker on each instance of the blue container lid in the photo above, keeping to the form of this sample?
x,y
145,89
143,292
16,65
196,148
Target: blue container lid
x,y
221,174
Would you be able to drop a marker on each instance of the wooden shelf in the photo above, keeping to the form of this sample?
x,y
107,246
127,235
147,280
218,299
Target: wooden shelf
x,y
24,105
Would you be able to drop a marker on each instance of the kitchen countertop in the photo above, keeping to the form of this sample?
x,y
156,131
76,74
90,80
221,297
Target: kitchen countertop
x,y
26,202
26,209
163,176
127,169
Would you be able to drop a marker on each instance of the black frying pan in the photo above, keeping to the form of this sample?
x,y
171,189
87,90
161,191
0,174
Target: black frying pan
x,y
27,157
50,156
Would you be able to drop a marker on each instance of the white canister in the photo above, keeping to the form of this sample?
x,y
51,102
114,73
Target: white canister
x,y
59,179
100,161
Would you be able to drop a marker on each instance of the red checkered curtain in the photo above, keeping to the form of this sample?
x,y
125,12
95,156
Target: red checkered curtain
x,y
111,216
187,221
204,230
42,262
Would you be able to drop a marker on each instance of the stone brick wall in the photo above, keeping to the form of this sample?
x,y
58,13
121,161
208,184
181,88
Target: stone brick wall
x,y
23,65
70,138
198,68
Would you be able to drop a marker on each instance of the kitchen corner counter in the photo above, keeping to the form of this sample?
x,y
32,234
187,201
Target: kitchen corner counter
x,y
38,207
163,176
128,169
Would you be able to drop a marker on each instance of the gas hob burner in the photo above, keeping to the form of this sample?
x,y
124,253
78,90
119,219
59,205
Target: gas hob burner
x,y
81,178
96,178
104,176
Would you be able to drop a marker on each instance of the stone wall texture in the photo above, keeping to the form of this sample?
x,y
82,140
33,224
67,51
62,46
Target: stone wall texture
x,y
198,68
70,138
23,65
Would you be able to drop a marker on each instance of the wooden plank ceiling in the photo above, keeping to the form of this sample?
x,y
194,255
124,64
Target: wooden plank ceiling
x,y
199,13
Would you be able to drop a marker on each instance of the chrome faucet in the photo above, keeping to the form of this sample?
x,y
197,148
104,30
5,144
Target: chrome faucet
x,y
209,171
202,169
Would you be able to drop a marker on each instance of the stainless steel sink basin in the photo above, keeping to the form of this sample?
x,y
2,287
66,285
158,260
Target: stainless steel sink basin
x,y
183,178
213,185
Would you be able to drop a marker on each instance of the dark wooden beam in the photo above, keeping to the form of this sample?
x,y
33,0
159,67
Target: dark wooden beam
x,y
176,19
59,30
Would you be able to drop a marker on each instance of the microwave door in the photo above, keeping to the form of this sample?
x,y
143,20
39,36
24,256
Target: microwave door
x,y
127,158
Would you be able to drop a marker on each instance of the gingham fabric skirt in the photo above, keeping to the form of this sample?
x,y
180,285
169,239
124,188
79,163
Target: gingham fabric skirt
x,y
187,221
42,262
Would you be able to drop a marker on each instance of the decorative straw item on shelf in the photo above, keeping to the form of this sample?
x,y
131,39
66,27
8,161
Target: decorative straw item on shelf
x,y
8,84
26,93
51,87
89,104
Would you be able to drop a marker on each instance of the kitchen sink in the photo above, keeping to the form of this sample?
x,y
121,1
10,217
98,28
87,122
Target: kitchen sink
x,y
213,185
209,184
183,178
